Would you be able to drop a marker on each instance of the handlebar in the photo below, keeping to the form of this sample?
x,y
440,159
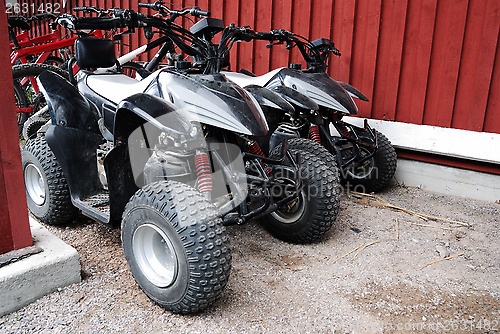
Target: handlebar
x,y
160,7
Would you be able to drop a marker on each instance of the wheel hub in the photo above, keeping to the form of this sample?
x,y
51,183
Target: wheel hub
x,y
35,184
292,211
155,255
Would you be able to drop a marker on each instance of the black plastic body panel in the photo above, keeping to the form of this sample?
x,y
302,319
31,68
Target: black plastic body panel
x,y
317,86
355,93
75,151
147,108
295,97
121,183
68,108
268,98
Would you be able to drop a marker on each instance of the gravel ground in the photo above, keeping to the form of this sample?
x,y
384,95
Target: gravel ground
x,y
277,287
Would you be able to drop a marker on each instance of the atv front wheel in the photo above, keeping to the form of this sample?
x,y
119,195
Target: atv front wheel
x,y
308,217
375,173
47,191
176,246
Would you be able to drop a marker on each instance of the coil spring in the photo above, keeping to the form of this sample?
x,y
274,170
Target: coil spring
x,y
254,148
314,134
345,130
203,172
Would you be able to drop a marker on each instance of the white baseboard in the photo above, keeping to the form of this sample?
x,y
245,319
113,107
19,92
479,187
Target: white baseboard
x,y
449,180
470,145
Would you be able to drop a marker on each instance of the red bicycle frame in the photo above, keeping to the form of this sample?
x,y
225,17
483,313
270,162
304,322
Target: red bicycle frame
x,y
41,46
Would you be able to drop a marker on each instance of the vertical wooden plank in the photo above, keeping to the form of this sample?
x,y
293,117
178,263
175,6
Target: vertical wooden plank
x,y
321,19
301,24
392,28
14,225
445,62
416,60
281,19
231,15
364,56
245,49
6,243
492,119
344,17
262,55
481,36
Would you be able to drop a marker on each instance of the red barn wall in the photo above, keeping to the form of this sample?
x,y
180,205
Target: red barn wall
x,y
419,61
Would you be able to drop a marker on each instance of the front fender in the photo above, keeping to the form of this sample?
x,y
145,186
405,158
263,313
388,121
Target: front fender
x,y
268,98
141,108
319,87
353,91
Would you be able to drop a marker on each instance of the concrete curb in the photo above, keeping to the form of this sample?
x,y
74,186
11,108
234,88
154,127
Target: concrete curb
x,y
449,180
26,280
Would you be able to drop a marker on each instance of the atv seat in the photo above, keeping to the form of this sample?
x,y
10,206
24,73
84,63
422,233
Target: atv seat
x,y
116,87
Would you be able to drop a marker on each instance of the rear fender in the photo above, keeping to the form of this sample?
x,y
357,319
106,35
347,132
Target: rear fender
x,y
68,108
75,151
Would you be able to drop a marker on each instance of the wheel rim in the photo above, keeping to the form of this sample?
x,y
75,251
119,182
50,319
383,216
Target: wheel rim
x,y
365,169
35,184
291,212
155,255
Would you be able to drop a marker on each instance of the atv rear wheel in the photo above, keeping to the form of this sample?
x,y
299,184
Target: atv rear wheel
x,y
307,218
32,125
176,247
47,191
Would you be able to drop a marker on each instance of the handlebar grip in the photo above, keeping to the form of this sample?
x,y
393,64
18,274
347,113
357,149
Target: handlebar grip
x,y
87,9
147,5
198,12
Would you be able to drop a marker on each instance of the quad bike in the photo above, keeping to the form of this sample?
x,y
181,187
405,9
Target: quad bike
x,y
365,156
170,159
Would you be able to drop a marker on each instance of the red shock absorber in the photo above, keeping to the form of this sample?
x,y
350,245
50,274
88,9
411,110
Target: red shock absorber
x,y
204,172
344,129
254,148
314,134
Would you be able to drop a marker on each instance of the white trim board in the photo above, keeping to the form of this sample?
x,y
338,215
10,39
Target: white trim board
x,y
470,145
449,180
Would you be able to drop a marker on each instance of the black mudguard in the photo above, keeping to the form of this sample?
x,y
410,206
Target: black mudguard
x,y
353,91
75,151
301,101
268,98
121,182
145,108
68,108
132,113
295,97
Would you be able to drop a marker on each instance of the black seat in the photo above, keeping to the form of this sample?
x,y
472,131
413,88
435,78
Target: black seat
x,y
95,52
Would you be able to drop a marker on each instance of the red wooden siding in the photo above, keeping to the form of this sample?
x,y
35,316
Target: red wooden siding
x,y
419,61
14,225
